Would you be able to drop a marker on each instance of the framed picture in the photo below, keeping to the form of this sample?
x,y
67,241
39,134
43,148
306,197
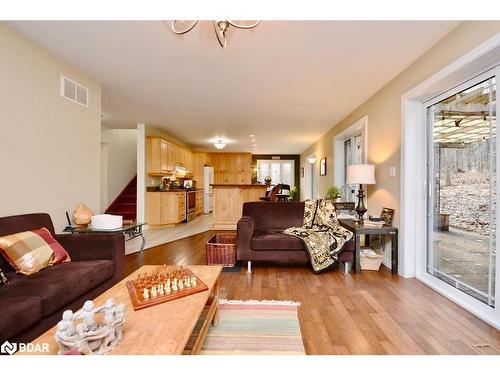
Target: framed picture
x,y
387,214
302,172
322,167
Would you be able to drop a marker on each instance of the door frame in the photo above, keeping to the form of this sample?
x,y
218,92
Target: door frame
x,y
413,238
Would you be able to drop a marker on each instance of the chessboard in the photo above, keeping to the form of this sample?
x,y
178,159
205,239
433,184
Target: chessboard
x,y
164,284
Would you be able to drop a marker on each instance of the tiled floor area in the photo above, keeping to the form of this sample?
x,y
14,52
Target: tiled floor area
x,y
159,236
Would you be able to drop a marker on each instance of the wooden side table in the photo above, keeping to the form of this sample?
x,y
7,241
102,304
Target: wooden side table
x,y
360,230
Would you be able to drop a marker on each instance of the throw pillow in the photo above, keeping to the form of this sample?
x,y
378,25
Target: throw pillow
x,y
29,252
3,278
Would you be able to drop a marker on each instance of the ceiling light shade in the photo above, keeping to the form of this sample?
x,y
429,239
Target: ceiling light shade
x,y
220,28
311,160
219,145
361,174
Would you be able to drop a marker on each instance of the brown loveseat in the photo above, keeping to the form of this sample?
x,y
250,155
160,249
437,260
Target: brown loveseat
x,y
260,236
30,305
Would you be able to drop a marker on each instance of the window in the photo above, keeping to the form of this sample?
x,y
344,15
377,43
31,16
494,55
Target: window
x,y
281,171
353,154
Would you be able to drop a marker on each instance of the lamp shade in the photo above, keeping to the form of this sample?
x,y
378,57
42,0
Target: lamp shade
x,y
363,174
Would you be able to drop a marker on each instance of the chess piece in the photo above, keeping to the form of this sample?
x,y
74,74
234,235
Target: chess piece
x,y
160,290
187,282
193,281
180,285
167,289
168,281
174,286
153,291
146,293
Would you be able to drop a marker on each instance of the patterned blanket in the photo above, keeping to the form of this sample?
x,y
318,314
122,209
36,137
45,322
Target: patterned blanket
x,y
321,233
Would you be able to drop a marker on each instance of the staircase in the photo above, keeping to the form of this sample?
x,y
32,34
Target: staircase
x,y
126,202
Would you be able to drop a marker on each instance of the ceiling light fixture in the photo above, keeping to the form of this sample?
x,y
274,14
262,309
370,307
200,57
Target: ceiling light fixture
x,y
219,145
220,28
311,160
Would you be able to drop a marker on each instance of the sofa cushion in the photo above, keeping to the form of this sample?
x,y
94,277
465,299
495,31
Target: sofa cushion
x,y
279,215
60,284
18,313
30,251
273,239
22,223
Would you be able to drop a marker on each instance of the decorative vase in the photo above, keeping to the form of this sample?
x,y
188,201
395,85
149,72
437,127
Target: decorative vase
x,y
82,215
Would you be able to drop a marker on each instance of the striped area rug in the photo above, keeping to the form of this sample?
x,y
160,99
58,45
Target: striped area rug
x,y
255,327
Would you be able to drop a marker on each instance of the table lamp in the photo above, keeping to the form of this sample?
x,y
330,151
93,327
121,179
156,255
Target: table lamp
x,y
362,174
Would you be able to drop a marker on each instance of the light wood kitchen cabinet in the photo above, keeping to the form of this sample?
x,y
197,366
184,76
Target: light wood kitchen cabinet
x,y
228,177
157,157
162,157
165,208
199,202
226,162
232,168
228,203
242,162
200,159
243,177
190,161
171,157
218,177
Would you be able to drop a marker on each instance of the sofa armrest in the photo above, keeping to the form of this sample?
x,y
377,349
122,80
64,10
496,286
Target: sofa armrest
x,y
245,228
96,246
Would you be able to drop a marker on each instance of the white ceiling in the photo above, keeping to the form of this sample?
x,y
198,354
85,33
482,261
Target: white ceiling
x,y
287,82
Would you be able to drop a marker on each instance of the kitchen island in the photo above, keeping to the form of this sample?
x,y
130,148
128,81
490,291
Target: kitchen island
x,y
228,202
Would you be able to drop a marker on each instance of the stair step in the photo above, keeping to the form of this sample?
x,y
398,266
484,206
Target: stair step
x,y
127,200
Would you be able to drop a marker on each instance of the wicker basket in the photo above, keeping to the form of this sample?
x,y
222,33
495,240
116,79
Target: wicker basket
x,y
370,260
221,249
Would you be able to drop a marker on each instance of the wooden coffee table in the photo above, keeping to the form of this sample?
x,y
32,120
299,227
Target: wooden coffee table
x,y
165,328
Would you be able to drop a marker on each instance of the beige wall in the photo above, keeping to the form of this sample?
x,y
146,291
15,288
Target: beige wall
x,y
384,116
49,146
121,147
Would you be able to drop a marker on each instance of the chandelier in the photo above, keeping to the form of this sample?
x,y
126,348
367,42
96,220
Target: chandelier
x,y
220,28
219,145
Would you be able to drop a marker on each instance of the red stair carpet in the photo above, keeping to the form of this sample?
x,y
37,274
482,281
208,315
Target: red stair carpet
x,y
126,202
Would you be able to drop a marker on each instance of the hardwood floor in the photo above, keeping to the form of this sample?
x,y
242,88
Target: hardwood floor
x,y
373,313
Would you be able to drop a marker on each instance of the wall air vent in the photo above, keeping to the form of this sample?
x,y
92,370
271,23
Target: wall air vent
x,y
74,91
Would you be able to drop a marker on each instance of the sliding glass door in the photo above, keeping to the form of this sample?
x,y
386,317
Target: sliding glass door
x,y
462,185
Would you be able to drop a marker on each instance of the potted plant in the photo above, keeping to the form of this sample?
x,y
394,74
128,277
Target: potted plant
x,y
334,193
294,193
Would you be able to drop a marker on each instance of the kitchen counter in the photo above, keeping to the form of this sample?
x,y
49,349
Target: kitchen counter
x,y
154,189
229,200
239,185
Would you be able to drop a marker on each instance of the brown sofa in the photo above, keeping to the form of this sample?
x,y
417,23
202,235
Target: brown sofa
x,y
260,236
30,305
